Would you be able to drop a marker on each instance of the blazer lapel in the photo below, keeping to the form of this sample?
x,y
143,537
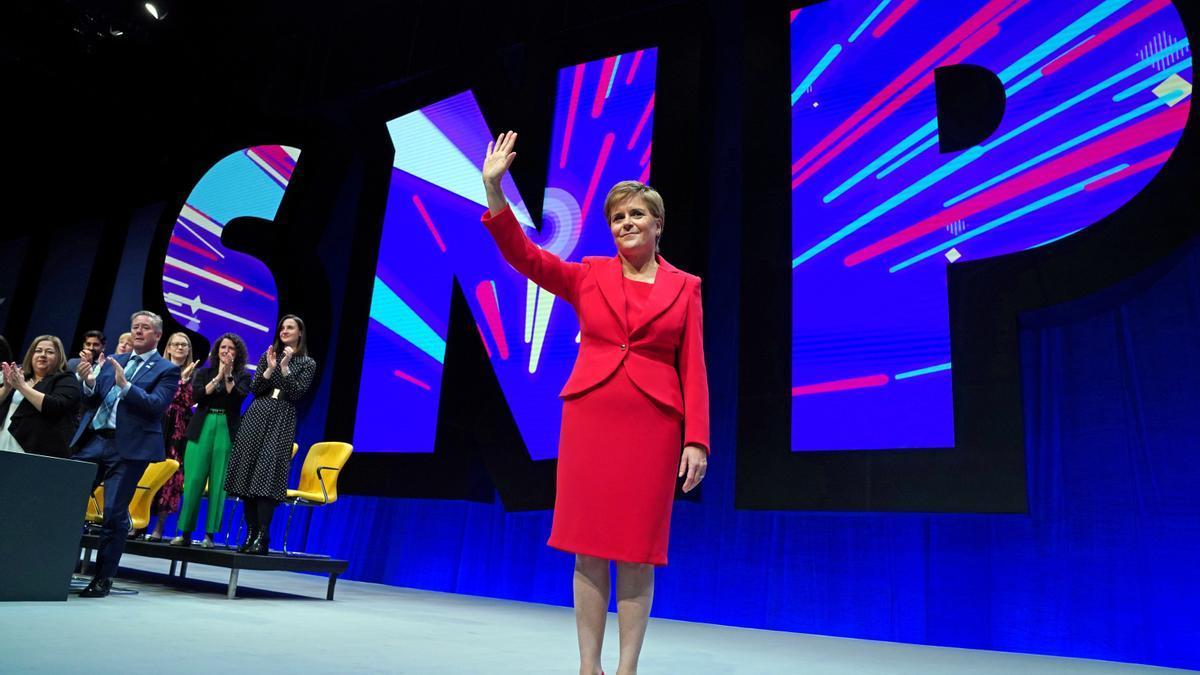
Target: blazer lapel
x,y
608,278
667,285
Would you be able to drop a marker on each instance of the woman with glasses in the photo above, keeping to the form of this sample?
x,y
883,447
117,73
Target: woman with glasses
x,y
175,422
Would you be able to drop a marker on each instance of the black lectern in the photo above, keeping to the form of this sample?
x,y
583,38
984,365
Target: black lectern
x,y
42,503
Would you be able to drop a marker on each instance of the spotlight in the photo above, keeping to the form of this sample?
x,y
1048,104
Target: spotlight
x,y
150,7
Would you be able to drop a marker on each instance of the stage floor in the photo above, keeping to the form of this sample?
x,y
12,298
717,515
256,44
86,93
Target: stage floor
x,y
191,627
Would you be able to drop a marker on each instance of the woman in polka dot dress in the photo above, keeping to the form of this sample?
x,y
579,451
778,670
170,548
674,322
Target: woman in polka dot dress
x,y
262,453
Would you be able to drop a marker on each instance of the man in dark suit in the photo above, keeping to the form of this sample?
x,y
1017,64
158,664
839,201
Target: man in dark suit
x,y
93,343
121,432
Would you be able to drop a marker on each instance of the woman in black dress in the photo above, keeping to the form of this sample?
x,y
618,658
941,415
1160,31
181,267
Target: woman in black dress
x,y
262,451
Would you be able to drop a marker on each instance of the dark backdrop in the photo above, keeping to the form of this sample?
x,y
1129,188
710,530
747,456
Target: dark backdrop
x,y
108,133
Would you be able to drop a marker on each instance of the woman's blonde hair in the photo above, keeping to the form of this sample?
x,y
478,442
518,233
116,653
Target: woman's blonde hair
x,y
628,189
61,365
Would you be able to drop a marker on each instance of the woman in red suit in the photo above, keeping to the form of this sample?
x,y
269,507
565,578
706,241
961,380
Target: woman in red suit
x,y
638,393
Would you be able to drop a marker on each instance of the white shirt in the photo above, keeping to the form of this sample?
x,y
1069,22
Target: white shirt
x,y
7,442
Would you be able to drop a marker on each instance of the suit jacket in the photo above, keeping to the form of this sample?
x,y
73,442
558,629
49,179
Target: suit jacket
x,y
230,402
46,432
663,351
139,415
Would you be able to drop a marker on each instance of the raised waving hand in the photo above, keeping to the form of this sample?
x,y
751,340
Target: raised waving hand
x,y
496,162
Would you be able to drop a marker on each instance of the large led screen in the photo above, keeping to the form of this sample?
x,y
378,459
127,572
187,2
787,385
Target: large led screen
x,y
432,234
209,287
1098,93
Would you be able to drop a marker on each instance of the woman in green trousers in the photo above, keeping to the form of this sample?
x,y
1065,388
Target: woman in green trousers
x,y
221,388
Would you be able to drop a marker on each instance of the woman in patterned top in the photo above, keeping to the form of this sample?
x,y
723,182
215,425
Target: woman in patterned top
x,y
175,422
262,452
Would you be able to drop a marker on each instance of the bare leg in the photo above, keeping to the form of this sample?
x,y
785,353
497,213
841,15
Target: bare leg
x,y
635,592
591,586
159,520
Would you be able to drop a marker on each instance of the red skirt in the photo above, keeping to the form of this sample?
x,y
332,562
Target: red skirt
x,y
618,460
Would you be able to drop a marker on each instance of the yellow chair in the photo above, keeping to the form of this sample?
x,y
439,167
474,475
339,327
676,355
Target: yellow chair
x,y
151,482
318,479
236,501
95,506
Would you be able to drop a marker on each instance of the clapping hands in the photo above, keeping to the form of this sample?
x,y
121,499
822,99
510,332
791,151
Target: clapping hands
x,y
84,368
118,372
14,376
186,374
225,369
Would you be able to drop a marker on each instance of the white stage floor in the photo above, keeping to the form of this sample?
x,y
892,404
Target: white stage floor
x,y
192,627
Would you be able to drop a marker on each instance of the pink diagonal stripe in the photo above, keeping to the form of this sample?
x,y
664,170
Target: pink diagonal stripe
x,y
1107,34
485,294
405,376
964,50
637,61
602,86
241,283
644,179
841,385
978,20
278,158
1131,137
429,222
193,248
898,13
483,339
637,131
605,148
646,155
574,105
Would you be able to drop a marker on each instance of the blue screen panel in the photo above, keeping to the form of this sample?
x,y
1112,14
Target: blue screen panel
x,y
209,287
1098,94
603,125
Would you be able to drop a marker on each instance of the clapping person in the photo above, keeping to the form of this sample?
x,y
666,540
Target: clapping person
x,y
94,342
121,433
220,387
262,450
175,423
38,400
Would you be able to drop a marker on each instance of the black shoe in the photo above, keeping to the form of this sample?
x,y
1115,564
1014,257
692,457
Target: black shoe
x,y
260,545
99,588
251,535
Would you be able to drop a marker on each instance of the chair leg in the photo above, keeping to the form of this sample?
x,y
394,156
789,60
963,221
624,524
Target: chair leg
x,y
288,528
229,528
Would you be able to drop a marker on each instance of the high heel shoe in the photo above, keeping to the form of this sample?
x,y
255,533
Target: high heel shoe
x,y
245,546
260,545
183,539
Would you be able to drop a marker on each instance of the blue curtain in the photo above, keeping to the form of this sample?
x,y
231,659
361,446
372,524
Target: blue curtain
x,y
1105,565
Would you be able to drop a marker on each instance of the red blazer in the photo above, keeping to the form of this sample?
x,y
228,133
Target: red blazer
x,y
663,352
